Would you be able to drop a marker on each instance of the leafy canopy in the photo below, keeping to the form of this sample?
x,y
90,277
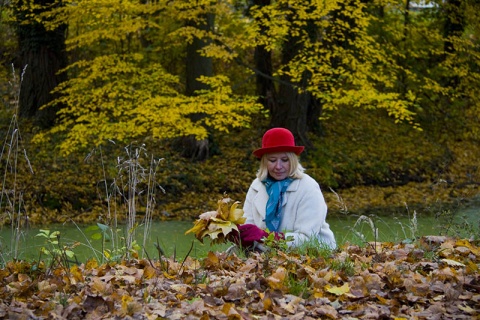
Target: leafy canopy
x,y
127,70
120,91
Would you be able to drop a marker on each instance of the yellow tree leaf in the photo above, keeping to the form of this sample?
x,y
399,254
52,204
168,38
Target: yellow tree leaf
x,y
218,224
76,274
236,214
199,226
338,291
222,226
223,208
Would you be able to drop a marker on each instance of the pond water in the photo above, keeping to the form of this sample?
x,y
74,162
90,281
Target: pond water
x,y
172,239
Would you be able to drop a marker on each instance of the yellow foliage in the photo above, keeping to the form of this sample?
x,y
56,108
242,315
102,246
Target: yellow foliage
x,y
118,91
129,102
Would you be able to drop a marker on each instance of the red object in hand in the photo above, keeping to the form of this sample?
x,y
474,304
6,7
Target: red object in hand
x,y
249,233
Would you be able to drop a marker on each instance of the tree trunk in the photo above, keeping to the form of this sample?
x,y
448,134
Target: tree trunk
x,y
265,86
264,80
454,23
43,54
454,27
292,111
196,66
296,109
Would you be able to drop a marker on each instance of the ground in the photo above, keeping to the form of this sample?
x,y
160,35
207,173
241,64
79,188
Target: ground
x,y
433,278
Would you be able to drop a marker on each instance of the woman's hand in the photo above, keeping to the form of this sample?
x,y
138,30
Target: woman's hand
x,y
250,233
247,235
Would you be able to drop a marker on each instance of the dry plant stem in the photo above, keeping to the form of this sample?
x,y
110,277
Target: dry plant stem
x,y
113,225
11,149
132,212
134,169
152,183
341,202
372,225
18,228
161,256
88,241
112,220
124,190
10,193
186,256
63,256
149,260
116,196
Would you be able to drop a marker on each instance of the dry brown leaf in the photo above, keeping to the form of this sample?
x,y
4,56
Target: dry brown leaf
x,y
327,311
76,274
277,279
211,261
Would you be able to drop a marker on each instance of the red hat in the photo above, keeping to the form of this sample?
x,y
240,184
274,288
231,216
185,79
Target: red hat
x,y
278,140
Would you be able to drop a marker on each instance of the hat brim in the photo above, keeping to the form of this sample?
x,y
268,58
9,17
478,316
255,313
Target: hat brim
x,y
295,149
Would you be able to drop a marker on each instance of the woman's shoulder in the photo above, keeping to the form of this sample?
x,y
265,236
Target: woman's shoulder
x,y
308,181
256,183
307,178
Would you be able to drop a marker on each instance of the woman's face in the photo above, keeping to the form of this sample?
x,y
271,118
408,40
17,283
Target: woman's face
x,y
278,165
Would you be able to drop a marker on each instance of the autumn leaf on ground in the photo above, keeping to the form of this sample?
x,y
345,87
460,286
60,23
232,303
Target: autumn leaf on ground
x,y
452,263
218,224
338,291
277,279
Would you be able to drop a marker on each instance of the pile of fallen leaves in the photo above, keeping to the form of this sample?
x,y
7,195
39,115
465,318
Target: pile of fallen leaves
x,y
435,279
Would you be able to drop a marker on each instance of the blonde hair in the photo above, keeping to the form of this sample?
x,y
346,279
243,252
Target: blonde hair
x,y
296,169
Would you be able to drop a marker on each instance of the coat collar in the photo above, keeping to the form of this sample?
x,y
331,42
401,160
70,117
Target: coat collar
x,y
257,185
260,200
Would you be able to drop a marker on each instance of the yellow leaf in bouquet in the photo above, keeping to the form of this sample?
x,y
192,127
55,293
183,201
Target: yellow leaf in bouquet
x,y
225,227
214,234
218,224
236,214
223,208
199,227
208,215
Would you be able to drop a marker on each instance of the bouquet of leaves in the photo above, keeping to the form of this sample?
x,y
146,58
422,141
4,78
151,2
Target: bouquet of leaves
x,y
220,223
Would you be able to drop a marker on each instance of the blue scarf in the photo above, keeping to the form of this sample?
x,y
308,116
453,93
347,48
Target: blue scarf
x,y
275,190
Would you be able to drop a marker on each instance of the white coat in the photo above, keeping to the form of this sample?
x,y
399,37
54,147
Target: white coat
x,y
304,211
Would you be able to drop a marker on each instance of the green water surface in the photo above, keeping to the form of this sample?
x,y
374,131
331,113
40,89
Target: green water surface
x,y
170,235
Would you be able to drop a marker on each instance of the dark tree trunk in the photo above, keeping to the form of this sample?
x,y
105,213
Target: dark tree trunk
x,y
288,108
265,85
292,111
454,26
43,54
196,66
296,109
454,23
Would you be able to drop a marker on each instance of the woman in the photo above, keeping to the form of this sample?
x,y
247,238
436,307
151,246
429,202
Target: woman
x,y
283,199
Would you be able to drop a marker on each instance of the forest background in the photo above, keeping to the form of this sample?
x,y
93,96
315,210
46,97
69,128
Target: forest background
x,y
383,94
